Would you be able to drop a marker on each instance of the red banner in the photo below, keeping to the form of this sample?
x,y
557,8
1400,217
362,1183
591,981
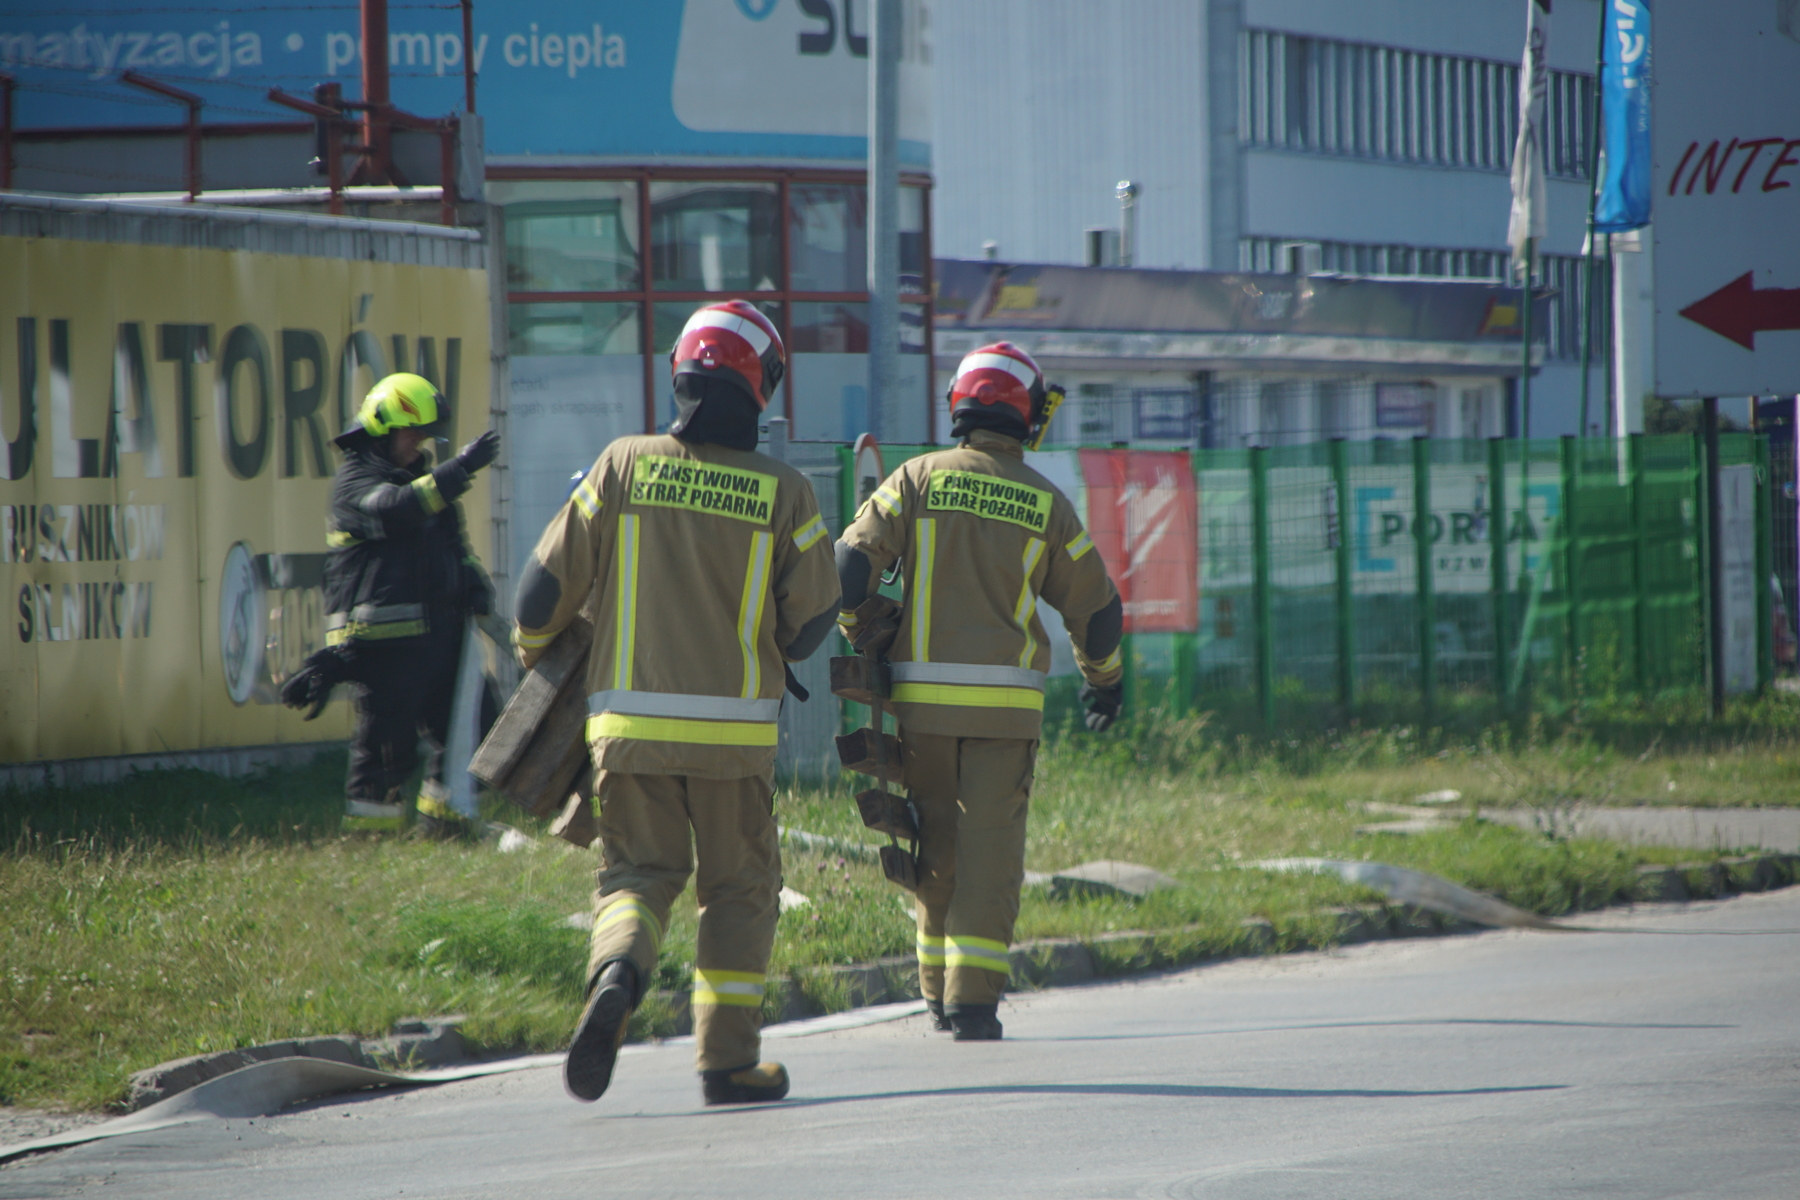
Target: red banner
x,y
1143,515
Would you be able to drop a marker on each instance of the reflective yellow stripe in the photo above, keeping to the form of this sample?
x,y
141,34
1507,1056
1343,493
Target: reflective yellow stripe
x,y
678,729
743,988
985,953
367,632
808,535
629,908
968,695
625,634
1080,546
532,641
1111,662
925,535
750,610
337,539
846,617
1034,549
429,495
586,499
931,951
888,498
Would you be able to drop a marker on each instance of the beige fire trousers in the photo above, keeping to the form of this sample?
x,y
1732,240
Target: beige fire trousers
x,y
651,827
972,796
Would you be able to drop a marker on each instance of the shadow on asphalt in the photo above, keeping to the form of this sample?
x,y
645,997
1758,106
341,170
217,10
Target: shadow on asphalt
x,y
1174,1091
1133,1037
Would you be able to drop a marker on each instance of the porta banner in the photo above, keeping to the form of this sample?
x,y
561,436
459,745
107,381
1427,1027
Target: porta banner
x,y
1143,516
166,415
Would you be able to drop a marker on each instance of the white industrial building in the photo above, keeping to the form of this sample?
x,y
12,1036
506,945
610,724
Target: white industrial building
x,y
1369,139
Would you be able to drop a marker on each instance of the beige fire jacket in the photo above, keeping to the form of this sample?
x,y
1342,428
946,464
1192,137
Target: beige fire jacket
x,y
698,565
982,536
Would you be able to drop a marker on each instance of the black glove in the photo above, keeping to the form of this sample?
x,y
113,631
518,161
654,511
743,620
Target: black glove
x,y
478,589
312,683
479,453
1103,705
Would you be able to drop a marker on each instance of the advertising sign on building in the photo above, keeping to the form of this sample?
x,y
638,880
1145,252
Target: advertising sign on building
x,y
763,79
1726,199
165,463
1143,517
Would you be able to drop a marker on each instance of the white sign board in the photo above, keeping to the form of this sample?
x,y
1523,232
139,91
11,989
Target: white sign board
x,y
1726,119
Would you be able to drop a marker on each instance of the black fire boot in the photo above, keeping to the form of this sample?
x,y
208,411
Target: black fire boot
x,y
595,1046
976,1022
754,1084
939,1021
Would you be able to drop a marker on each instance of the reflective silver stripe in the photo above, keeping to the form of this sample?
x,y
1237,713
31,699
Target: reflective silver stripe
x,y
675,704
382,614
336,620
967,673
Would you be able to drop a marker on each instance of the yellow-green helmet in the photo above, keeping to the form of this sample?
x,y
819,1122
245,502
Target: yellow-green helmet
x,y
401,401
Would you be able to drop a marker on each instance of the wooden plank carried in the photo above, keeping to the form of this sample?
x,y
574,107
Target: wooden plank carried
x,y
565,662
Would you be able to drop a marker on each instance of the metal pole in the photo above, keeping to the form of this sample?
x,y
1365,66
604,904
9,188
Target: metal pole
x,y
1715,556
1497,564
1634,458
1422,552
1765,605
468,55
7,84
884,213
1571,561
1261,597
1525,372
1587,303
1346,592
378,150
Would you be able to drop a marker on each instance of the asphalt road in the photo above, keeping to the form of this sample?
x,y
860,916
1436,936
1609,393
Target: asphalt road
x,y
1630,1063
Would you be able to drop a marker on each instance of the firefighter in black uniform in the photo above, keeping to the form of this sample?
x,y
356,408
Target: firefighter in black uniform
x,y
399,586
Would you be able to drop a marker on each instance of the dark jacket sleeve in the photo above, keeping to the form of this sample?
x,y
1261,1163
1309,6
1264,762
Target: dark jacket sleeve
x,y
371,508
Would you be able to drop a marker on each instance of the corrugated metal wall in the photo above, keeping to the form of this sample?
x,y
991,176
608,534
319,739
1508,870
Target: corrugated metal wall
x,y
1041,106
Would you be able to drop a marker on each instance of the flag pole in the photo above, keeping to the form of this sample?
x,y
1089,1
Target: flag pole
x,y
1587,298
1525,368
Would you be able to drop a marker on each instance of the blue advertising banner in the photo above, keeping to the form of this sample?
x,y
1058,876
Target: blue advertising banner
x,y
570,79
1624,201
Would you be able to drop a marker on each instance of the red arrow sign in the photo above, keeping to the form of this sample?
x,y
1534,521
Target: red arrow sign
x,y
1739,312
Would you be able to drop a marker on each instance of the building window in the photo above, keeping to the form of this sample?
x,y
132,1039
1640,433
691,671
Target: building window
x,y
582,239
715,237
1361,101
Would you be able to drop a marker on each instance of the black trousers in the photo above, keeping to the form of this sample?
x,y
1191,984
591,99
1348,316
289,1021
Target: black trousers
x,y
404,690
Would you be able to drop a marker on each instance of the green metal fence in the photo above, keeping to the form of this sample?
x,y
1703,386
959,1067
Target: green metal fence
x,y
1320,603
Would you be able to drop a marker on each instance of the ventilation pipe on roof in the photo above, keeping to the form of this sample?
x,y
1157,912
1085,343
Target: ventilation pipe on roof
x,y
1102,246
1127,192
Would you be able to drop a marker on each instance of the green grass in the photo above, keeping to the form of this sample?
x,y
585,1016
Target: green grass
x,y
176,913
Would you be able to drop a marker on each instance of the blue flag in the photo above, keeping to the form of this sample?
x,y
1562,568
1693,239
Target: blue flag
x,y
1624,201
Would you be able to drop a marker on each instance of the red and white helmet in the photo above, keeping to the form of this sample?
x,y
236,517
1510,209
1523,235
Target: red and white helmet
x,y
735,342
1000,375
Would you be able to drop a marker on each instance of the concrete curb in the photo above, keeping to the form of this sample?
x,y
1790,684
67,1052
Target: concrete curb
x,y
1051,962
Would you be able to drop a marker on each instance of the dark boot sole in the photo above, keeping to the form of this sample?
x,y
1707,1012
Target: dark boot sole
x,y
595,1048
725,1092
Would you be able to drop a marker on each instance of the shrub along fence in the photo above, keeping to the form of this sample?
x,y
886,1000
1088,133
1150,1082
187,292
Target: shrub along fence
x,y
1548,571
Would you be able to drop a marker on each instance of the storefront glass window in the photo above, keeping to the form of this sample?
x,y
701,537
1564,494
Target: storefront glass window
x,y
830,352
581,239
912,240
577,383
715,237
828,237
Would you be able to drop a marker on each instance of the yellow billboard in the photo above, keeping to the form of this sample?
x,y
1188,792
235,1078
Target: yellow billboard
x,y
166,415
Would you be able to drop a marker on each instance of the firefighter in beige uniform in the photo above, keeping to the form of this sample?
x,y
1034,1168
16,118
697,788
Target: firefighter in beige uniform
x,y
703,565
981,536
